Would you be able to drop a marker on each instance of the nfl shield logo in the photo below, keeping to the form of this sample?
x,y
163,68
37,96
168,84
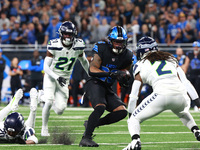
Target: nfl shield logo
x,y
113,59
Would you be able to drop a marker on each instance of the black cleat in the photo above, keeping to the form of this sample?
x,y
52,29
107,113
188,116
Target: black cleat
x,y
137,146
85,125
87,142
197,135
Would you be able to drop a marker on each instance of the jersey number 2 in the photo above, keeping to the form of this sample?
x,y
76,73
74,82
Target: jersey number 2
x,y
64,60
160,67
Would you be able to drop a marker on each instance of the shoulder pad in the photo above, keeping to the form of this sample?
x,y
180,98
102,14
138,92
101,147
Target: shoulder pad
x,y
79,44
101,42
54,44
136,68
28,132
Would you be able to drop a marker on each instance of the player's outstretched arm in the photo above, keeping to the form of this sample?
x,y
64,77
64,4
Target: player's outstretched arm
x,y
135,91
84,62
189,87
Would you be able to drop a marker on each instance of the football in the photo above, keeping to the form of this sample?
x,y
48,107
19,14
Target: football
x,y
126,73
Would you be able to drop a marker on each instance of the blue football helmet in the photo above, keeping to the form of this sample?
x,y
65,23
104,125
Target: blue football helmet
x,y
67,32
145,45
14,123
118,39
196,44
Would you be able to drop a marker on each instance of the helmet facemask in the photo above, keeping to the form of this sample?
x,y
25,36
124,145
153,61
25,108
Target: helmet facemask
x,y
118,46
118,39
67,38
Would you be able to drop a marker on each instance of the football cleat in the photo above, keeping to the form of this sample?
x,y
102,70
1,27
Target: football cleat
x,y
134,145
85,125
88,142
34,99
197,134
15,100
44,131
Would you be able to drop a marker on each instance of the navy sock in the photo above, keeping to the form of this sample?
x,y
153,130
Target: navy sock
x,y
112,117
94,119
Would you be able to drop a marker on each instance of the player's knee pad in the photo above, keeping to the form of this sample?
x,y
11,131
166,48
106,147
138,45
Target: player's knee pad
x,y
59,109
49,102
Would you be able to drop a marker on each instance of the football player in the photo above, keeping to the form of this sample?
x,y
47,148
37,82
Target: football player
x,y
170,87
110,58
14,129
62,54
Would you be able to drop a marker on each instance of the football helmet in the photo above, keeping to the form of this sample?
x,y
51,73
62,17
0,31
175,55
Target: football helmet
x,y
117,37
14,124
67,32
145,45
196,44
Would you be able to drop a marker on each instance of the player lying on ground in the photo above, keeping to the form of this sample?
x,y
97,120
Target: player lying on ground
x,y
170,86
13,129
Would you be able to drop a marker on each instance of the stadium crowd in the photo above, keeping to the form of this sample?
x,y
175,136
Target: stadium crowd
x,y
167,21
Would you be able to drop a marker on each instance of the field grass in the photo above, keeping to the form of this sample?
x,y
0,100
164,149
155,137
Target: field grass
x,y
164,132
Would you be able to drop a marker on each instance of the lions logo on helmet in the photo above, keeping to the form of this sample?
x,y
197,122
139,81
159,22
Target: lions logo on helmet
x,y
14,123
67,33
118,39
145,44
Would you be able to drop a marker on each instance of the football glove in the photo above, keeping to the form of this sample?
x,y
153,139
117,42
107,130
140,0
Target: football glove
x,y
122,77
61,81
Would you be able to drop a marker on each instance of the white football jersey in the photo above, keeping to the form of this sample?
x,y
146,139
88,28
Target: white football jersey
x,y
64,58
28,133
161,75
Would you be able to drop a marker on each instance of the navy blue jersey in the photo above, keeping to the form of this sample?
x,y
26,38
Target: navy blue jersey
x,y
110,61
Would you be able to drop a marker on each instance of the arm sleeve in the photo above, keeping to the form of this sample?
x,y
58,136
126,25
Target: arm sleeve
x,y
189,87
133,97
47,64
84,62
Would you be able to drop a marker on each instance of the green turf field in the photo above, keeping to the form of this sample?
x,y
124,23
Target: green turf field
x,y
164,132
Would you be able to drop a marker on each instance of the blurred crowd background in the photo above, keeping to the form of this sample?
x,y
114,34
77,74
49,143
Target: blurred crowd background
x,y
37,21
168,21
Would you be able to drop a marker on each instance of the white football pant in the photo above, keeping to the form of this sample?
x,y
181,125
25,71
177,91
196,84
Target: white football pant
x,y
155,104
55,97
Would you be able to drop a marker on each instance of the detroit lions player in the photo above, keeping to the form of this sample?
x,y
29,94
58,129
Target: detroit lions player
x,y
13,129
62,54
170,86
109,59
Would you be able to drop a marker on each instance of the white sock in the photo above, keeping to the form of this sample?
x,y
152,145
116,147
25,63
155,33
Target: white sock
x,y
133,126
30,122
4,112
46,113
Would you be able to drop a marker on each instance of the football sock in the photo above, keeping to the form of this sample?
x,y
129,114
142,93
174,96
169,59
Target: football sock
x,y
46,113
112,117
93,120
194,128
4,112
135,136
31,119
